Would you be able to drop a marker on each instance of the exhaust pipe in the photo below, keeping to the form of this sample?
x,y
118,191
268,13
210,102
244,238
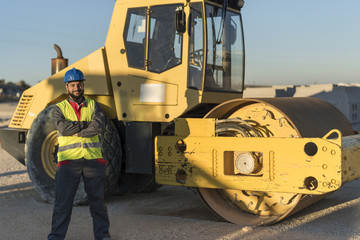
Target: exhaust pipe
x,y
58,63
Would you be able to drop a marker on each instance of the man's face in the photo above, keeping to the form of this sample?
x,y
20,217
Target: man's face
x,y
75,89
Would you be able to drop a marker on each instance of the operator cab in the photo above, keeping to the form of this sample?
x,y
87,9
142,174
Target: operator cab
x,y
214,48
218,52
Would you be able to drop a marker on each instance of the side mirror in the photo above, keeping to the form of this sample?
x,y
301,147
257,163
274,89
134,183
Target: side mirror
x,y
180,20
241,3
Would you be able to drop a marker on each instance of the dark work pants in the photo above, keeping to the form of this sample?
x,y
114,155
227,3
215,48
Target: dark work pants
x,y
67,181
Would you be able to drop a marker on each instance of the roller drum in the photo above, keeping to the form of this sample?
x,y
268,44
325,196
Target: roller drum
x,y
270,117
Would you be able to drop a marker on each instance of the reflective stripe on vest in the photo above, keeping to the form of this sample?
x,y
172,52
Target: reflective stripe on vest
x,y
71,147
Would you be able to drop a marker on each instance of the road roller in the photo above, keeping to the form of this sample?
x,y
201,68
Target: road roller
x,y
170,79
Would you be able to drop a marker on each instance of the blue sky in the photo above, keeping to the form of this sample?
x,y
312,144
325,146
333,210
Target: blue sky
x,y
287,41
302,42
29,29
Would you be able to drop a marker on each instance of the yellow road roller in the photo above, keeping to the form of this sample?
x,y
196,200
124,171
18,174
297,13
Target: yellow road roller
x,y
170,79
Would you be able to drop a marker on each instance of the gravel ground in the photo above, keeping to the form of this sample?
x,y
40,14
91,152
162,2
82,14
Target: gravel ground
x,y
168,213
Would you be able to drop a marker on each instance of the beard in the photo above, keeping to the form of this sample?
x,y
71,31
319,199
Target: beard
x,y
77,97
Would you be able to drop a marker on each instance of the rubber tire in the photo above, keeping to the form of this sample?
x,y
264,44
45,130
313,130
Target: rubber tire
x,y
112,153
43,183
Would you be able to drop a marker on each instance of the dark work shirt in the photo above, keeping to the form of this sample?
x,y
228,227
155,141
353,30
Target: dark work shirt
x,y
83,129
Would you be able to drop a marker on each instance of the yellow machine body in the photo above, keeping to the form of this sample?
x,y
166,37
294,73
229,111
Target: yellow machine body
x,y
196,157
52,90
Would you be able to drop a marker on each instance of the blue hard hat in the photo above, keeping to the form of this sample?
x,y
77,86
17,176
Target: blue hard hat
x,y
74,75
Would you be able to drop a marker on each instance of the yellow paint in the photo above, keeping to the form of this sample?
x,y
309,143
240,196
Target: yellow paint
x,y
285,165
52,89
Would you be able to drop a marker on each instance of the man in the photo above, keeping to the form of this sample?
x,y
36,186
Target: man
x,y
79,121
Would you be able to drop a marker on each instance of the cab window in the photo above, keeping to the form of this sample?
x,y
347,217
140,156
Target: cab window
x,y
225,55
134,36
164,42
196,47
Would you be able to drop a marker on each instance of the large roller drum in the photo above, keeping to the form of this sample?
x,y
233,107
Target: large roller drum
x,y
273,117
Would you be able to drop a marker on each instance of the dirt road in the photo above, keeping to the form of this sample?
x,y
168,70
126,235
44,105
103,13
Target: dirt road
x,y
168,213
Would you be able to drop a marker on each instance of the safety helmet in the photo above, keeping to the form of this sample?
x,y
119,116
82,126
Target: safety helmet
x,y
74,75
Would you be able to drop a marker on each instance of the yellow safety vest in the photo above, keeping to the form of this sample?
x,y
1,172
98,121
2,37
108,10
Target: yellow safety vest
x,y
71,147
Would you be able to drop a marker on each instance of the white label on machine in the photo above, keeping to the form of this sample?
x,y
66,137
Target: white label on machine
x,y
152,93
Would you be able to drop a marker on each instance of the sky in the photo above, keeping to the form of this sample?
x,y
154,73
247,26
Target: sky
x,y
287,42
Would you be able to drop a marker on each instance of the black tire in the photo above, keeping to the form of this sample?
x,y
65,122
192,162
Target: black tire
x,y
39,157
112,153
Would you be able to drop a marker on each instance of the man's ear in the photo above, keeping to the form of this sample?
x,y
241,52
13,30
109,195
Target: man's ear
x,y
66,87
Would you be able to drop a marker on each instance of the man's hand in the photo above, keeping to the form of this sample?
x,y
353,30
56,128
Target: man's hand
x,y
83,124
76,135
